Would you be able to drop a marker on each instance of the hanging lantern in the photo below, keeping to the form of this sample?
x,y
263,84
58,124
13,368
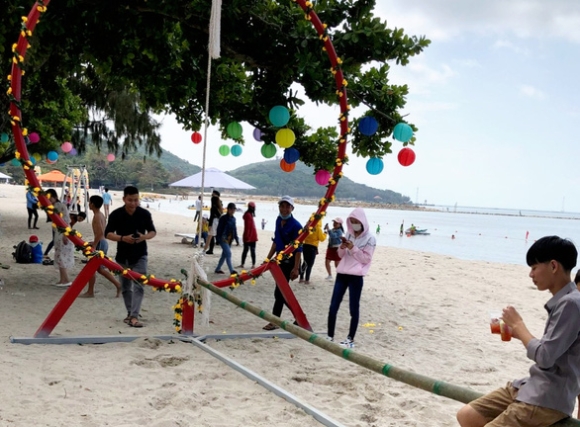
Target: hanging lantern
x,y
368,126
291,155
33,160
196,137
15,162
406,157
4,138
66,147
110,157
402,132
37,157
322,176
268,150
224,150
257,135
236,150
73,152
234,130
49,162
52,156
279,116
2,165
285,138
375,166
34,138
287,167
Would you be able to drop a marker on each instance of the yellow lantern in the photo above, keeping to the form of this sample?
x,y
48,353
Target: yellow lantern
x,y
285,138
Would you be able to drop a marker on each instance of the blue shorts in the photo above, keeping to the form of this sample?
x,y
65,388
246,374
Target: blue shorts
x,y
103,245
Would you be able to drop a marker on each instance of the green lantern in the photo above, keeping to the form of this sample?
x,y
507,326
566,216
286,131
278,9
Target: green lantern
x,y
224,150
234,130
268,150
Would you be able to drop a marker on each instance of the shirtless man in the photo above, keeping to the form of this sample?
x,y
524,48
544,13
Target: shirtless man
x,y
100,244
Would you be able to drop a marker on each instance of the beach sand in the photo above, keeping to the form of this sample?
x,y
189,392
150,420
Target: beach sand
x,y
430,313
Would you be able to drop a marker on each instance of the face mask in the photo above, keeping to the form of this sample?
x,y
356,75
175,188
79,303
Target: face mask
x,y
285,217
356,227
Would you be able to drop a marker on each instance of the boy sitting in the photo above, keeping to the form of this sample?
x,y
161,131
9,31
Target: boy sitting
x,y
548,395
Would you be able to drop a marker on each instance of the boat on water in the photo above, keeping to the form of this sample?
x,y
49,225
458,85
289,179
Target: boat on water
x,y
417,232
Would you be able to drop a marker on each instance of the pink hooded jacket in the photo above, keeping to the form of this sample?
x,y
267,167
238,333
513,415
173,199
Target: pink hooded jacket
x,y
357,261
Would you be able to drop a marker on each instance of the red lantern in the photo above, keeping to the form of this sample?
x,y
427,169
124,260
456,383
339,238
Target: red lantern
x,y
196,137
287,167
406,156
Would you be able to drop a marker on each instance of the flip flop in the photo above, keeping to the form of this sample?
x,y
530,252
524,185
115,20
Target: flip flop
x,y
135,323
127,320
270,327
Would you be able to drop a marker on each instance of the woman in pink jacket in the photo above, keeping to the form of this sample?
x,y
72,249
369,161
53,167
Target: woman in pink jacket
x,y
356,252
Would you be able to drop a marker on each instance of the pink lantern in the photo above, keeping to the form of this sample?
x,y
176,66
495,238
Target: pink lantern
x,y
33,138
66,147
111,157
322,176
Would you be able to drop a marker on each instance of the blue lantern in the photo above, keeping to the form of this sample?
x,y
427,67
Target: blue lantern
x,y
291,155
236,150
32,160
52,156
279,116
375,166
2,165
402,132
15,162
4,138
368,126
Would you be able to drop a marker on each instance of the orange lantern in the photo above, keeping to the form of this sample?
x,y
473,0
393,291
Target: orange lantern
x,y
287,167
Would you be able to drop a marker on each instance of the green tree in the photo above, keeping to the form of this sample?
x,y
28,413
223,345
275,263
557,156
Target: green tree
x,y
106,65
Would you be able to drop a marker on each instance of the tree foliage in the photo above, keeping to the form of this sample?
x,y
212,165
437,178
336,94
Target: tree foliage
x,y
97,69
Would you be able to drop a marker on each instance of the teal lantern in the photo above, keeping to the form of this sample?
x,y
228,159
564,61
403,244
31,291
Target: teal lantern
x,y
375,166
224,150
368,126
268,150
52,156
15,162
4,138
279,116
236,150
234,130
402,132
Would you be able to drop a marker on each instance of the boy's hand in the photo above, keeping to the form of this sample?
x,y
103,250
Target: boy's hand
x,y
519,329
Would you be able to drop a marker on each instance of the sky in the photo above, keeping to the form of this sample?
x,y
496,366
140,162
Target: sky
x,y
496,99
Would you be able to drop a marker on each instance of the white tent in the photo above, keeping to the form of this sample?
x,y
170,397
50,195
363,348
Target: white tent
x,y
5,177
214,178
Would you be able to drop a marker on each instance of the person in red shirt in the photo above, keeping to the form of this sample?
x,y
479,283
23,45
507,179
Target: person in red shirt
x,y
250,236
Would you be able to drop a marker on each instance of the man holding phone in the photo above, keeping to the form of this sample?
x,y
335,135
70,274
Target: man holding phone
x,y
130,226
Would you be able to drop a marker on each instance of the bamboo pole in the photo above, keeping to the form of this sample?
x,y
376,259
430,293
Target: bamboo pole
x,y
441,388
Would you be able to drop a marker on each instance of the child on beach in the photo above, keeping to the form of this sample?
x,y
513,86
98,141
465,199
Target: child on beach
x,y
334,235
356,253
548,394
250,236
309,252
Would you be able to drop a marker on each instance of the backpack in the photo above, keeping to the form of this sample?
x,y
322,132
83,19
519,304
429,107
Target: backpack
x,y
23,253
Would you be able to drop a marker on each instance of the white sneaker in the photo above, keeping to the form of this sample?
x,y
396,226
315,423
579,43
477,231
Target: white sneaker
x,y
331,339
329,278
63,285
348,343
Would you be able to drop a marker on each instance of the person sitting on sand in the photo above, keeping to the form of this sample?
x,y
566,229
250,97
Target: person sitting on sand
x,y
548,394
99,243
356,253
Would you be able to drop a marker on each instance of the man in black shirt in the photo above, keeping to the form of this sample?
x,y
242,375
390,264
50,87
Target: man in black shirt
x,y
130,226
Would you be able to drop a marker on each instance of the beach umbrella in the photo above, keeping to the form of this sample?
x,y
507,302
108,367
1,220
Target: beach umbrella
x,y
214,178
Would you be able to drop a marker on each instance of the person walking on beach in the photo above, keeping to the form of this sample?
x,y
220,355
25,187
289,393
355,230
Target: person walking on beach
x,y
131,226
32,208
99,243
264,222
286,231
225,234
334,241
215,213
107,202
197,209
356,253
401,229
309,252
74,218
549,393
250,236
63,247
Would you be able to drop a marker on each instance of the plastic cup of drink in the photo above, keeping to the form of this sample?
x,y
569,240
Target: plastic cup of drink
x,y
505,331
494,322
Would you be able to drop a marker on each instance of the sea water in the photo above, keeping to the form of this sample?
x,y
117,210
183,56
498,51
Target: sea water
x,y
495,235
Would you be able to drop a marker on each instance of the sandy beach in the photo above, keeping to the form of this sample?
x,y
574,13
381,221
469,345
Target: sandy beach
x,y
430,314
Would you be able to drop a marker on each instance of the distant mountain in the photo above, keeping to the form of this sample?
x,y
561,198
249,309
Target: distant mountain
x,y
269,179
171,163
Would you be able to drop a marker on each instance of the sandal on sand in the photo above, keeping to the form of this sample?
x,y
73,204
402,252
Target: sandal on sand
x,y
127,320
270,327
134,323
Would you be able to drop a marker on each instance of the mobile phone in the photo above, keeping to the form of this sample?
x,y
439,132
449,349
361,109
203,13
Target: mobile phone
x,y
135,235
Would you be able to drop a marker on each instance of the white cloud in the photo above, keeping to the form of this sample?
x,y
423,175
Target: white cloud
x,y
504,44
532,92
